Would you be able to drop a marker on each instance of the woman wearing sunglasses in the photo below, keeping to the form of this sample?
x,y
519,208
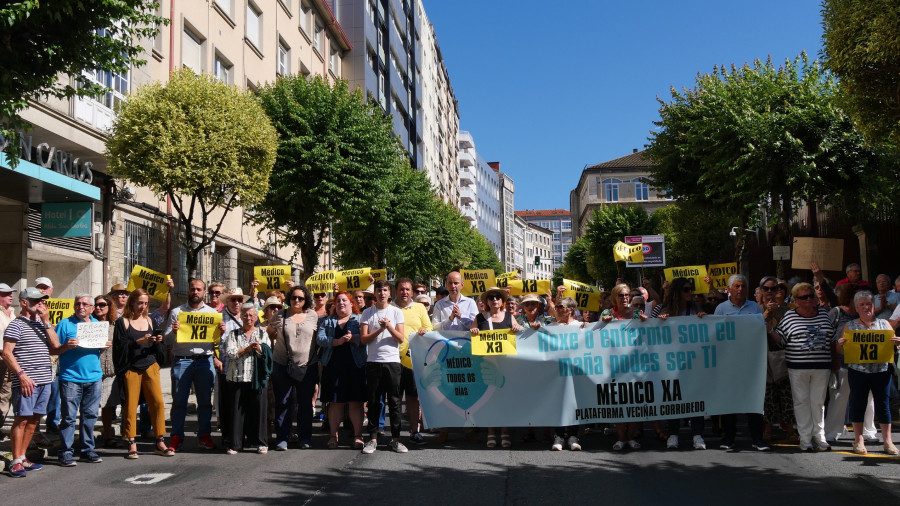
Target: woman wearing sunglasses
x,y
778,406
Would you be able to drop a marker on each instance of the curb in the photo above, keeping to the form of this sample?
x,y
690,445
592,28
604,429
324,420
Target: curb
x,y
38,455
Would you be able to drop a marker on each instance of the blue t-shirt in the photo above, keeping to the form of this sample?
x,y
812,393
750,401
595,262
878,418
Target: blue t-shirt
x,y
78,365
730,308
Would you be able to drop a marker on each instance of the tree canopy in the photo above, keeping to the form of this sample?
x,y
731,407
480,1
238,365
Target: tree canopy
x,y
40,40
207,145
608,225
690,241
861,45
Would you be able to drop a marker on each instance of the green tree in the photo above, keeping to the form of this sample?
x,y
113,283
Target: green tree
x,y
206,145
335,155
576,265
695,234
40,40
608,225
861,45
481,254
764,138
441,248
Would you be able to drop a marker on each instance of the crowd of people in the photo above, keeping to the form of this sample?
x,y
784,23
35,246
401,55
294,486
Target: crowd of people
x,y
282,353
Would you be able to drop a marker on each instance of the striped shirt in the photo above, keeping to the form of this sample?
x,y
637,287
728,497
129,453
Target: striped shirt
x,y
32,351
807,341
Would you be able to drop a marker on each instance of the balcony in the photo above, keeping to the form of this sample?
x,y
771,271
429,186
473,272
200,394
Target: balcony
x,y
465,140
466,159
468,213
466,176
466,194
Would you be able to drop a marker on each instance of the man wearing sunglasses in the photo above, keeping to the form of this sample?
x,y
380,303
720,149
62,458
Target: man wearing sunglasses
x,y
27,344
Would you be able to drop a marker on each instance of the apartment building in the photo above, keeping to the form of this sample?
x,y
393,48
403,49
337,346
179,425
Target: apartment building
x,y
479,192
538,244
559,222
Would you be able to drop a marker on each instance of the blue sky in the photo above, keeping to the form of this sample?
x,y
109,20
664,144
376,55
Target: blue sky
x,y
547,87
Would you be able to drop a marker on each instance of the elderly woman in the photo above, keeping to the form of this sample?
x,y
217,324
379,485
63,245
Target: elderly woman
x,y
868,377
620,297
806,334
293,332
778,405
565,316
495,317
512,305
109,394
344,360
137,350
249,355
425,301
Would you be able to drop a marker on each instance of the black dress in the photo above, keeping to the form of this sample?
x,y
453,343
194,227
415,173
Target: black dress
x,y
342,380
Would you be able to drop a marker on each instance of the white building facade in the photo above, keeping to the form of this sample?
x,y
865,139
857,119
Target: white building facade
x,y
479,192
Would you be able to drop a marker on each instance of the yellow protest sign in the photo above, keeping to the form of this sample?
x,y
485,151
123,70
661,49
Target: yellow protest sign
x,y
61,308
868,346
586,296
494,342
403,348
477,282
508,275
523,286
378,273
633,253
272,277
577,286
353,279
694,273
150,280
262,316
719,274
321,282
198,327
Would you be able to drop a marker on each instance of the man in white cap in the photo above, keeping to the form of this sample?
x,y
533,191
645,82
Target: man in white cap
x,y
7,313
44,285
231,317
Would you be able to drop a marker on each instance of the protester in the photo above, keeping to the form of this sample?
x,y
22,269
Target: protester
x,y
216,290
234,299
416,320
110,388
80,384
778,403
7,313
293,332
869,377
137,352
249,364
119,295
320,299
425,301
565,317
45,286
806,334
886,301
344,362
854,275
512,305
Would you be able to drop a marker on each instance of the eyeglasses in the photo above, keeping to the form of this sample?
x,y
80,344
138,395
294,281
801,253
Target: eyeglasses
x,y
560,307
687,289
320,295
768,288
80,304
277,308
494,297
420,292
622,295
426,304
297,298
216,293
101,304
804,297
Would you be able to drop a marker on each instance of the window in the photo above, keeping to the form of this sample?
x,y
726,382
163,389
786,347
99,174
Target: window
x,y
182,279
225,6
140,246
641,189
567,225
219,269
335,60
118,84
306,17
192,50
222,69
284,59
317,37
254,22
556,237
611,189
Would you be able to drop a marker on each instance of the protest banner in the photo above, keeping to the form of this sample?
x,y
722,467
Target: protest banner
x,y
59,309
508,275
347,280
694,273
519,287
272,277
198,327
632,253
155,283
625,370
477,282
828,253
321,282
494,342
719,274
868,347
92,334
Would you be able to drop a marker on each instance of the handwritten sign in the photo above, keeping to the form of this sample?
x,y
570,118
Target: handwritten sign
x,y
155,283
632,253
272,277
694,273
494,342
198,327
719,274
92,334
59,309
868,346
477,282
525,286
828,253
321,282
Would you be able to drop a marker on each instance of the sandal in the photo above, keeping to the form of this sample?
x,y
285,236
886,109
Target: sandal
x,y
132,450
332,444
164,451
860,448
491,441
505,441
619,446
634,445
358,443
890,449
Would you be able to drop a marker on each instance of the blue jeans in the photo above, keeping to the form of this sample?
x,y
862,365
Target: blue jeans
x,y
200,373
286,389
74,397
53,414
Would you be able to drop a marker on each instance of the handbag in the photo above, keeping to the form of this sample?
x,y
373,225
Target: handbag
x,y
777,366
296,372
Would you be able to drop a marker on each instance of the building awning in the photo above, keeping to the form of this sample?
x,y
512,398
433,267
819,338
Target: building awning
x,y
32,183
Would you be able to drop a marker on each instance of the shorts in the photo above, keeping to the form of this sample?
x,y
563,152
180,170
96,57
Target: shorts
x,y
110,393
34,405
408,383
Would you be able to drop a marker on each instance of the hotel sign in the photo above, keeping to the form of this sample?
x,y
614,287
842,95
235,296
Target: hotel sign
x,y
66,220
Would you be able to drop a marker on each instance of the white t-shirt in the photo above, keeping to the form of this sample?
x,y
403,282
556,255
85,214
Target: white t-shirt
x,y
384,348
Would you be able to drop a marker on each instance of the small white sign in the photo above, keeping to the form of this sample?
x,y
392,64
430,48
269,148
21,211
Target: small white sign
x,y
148,479
92,334
781,252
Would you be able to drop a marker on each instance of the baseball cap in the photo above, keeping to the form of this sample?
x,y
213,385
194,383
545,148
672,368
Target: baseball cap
x,y
32,293
4,288
43,281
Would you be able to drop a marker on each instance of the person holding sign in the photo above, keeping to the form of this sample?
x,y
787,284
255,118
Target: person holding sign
x,y
868,376
195,365
344,360
137,352
496,317
807,336
249,364
80,382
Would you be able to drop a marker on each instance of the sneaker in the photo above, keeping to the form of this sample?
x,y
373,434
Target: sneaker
x,y
726,444
230,451
418,438
804,446
573,444
262,450
17,470
281,446
398,447
305,446
699,444
31,466
821,446
206,442
91,457
175,442
672,442
370,447
557,444
761,446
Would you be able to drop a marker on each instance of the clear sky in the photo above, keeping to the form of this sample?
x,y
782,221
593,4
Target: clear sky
x,y
547,87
